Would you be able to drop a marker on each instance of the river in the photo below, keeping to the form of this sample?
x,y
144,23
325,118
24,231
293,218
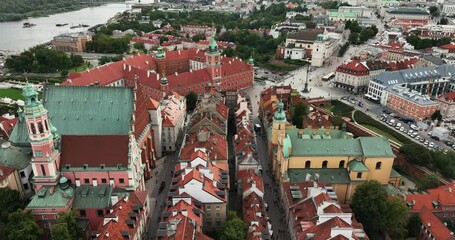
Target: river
x,y
15,38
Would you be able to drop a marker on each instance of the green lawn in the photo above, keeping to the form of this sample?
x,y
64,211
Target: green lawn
x,y
379,131
12,93
80,68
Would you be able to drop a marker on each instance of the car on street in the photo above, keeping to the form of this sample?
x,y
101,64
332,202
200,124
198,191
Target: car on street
x,y
410,132
417,138
398,126
413,127
391,121
430,144
162,185
387,111
414,134
401,129
422,140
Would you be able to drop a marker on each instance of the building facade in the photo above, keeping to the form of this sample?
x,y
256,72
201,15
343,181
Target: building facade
x,y
355,75
432,80
75,43
9,178
180,71
409,103
173,114
331,156
447,104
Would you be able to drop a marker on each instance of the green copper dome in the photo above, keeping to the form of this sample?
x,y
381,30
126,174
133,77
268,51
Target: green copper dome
x,y
213,47
160,52
163,79
280,116
29,91
251,60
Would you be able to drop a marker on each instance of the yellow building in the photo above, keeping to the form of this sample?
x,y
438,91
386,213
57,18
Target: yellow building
x,y
327,155
9,178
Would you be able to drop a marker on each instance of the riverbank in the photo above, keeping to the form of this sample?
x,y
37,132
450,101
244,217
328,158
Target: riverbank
x,y
16,10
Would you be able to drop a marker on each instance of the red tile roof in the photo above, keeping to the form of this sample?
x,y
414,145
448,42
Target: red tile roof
x,y
323,197
110,72
182,205
250,178
208,187
199,154
323,230
449,46
434,225
186,230
5,172
152,104
450,96
145,40
193,174
142,115
94,150
444,195
216,144
7,127
122,209
332,209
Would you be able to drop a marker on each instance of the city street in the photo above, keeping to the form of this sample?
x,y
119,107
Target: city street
x,y
275,212
162,172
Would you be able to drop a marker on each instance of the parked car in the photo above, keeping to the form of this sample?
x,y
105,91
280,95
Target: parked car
x,y
431,144
448,143
391,121
401,129
426,142
417,138
414,134
422,140
414,127
398,126
386,111
410,132
435,138
162,185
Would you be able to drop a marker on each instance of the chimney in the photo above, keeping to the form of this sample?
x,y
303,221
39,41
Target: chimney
x,y
124,66
129,68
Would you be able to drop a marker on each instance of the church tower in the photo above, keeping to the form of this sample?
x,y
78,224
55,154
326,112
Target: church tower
x,y
317,55
213,61
160,59
46,159
279,123
164,84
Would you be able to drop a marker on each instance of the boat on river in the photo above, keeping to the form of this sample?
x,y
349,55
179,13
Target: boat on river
x,y
28,24
61,24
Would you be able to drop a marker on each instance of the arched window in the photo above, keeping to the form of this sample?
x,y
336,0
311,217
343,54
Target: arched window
x,y
324,164
40,127
378,165
32,127
341,165
308,164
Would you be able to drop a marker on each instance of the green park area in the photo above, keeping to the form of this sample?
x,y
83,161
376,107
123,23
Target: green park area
x,y
383,133
12,93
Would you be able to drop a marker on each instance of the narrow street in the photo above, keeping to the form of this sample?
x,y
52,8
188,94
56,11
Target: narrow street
x,y
162,172
271,196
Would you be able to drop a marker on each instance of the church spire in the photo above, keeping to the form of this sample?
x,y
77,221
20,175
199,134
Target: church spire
x,y
279,116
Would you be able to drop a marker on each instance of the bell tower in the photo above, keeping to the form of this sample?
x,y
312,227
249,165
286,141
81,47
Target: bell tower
x,y
279,123
160,59
46,159
213,61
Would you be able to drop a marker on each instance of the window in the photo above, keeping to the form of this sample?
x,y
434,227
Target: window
x,y
359,175
208,207
82,213
22,174
32,127
121,180
100,213
43,170
341,164
218,223
103,180
38,153
308,164
40,127
218,208
86,181
324,164
218,215
378,165
208,215
25,185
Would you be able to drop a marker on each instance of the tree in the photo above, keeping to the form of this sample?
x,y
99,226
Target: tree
x,y
434,11
298,111
443,21
69,220
229,52
198,37
77,60
369,205
233,228
60,232
347,24
191,100
427,182
22,226
337,121
436,115
416,154
414,224
396,214
9,202
138,46
353,38
164,39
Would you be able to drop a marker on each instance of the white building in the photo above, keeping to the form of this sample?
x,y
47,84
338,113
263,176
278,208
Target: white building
x,y
154,109
431,80
407,14
173,114
448,8
323,48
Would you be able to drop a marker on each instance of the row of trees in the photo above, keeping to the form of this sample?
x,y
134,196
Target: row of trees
x,y
438,160
423,43
298,111
360,35
43,60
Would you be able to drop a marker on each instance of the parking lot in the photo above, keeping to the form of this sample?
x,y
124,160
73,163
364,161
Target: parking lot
x,y
406,126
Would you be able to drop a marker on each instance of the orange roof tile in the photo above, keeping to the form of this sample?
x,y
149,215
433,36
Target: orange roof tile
x,y
434,225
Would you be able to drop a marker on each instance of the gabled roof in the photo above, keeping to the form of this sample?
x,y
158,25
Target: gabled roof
x,y
323,230
441,195
216,145
434,225
7,127
110,72
305,35
89,110
122,209
94,150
